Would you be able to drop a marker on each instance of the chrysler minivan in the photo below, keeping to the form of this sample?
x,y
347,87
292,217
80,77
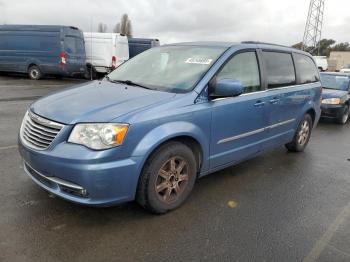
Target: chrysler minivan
x,y
166,117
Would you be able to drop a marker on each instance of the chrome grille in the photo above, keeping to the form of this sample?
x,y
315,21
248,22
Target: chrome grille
x,y
38,132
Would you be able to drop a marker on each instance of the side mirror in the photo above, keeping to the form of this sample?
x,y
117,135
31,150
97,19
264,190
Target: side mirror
x,y
226,88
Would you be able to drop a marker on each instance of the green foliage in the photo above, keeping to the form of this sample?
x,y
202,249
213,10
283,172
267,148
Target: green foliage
x,y
326,46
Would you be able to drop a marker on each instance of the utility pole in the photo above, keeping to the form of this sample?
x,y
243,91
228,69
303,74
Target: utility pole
x,y
313,28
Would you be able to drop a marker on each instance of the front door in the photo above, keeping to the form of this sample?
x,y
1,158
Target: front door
x,y
238,123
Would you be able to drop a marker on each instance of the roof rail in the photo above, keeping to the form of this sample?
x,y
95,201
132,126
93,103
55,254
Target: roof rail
x,y
263,43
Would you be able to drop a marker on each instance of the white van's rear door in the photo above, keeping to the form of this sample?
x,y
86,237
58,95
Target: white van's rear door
x,y
121,49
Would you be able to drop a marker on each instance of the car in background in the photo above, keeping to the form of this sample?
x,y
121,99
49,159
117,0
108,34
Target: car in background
x,y
166,117
335,96
139,45
321,62
40,50
346,69
105,51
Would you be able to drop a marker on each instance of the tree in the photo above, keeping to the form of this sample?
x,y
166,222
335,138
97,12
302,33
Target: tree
x,y
102,28
124,26
341,47
298,45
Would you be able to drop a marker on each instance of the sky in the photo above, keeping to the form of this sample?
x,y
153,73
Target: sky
x,y
275,21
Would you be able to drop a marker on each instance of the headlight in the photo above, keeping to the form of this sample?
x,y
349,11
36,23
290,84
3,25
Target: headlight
x,y
331,101
98,136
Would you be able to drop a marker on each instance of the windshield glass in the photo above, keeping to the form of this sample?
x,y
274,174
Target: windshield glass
x,y
335,82
347,66
170,68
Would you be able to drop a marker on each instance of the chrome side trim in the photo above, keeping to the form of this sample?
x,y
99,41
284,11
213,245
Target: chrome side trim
x,y
254,132
52,179
280,124
232,138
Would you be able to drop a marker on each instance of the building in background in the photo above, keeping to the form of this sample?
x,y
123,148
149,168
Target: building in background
x,y
338,59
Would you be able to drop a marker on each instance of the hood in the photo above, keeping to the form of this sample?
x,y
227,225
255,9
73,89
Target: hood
x,y
96,102
332,93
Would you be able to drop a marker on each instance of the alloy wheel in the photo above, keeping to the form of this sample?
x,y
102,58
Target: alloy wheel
x,y
304,133
172,179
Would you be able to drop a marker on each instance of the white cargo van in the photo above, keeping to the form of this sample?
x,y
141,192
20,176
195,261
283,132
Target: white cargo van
x,y
321,62
105,51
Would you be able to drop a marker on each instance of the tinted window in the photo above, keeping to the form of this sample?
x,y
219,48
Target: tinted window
x,y
243,67
74,45
29,42
280,69
308,73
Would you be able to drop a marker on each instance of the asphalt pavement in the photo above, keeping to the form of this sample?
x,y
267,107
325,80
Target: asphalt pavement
x,y
278,206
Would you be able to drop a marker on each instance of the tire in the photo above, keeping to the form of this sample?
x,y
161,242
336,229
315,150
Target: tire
x,y
34,73
345,117
167,179
302,135
91,73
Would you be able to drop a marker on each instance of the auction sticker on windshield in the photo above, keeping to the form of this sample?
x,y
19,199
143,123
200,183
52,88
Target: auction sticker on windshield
x,y
201,61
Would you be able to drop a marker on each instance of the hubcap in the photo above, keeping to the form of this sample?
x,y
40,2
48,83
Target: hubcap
x,y
172,179
34,74
304,133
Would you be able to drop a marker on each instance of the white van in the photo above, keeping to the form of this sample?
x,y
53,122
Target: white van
x,y
105,51
321,62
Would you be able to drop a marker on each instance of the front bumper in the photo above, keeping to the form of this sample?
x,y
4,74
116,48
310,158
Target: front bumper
x,y
83,176
332,111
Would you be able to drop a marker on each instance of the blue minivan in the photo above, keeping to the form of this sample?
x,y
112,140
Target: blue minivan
x,y
40,50
166,117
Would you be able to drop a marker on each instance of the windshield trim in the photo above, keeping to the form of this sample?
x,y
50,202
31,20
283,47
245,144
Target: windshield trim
x,y
192,88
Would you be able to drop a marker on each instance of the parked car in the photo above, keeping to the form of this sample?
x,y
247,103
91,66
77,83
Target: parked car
x,y
139,45
105,51
40,50
345,69
166,117
335,96
321,62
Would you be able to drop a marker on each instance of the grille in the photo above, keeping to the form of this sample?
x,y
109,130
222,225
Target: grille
x,y
37,132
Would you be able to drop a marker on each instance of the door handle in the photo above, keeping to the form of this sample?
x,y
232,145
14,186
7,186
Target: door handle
x,y
259,103
274,100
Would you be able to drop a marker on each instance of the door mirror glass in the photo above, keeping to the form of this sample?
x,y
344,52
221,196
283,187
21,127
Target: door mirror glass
x,y
227,88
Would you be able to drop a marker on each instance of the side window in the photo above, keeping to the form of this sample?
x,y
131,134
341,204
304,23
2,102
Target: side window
x,y
280,69
306,68
243,67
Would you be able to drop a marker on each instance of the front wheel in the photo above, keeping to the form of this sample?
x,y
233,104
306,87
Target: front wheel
x,y
344,118
302,135
168,178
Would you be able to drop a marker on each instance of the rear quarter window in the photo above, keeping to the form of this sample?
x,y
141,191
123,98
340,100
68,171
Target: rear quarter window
x,y
306,68
279,69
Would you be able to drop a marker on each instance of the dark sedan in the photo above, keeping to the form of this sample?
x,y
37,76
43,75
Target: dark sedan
x,y
335,96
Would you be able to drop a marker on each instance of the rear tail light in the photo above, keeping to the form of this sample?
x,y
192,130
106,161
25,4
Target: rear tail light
x,y
63,58
114,62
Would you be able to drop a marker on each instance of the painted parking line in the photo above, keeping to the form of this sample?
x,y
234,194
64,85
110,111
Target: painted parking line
x,y
327,236
8,147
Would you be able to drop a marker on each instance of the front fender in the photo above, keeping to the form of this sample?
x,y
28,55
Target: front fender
x,y
168,131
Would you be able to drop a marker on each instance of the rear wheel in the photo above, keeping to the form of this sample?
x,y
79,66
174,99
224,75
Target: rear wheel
x,y
167,179
34,72
345,117
302,135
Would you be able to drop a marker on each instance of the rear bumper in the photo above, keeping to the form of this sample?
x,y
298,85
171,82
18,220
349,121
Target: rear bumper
x,y
332,111
95,179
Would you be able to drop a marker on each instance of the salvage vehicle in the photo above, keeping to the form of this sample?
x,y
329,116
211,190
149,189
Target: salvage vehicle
x,y
166,117
105,51
335,96
40,50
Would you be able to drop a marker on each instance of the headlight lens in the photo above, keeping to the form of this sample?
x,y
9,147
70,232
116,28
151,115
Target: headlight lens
x,y
331,101
98,136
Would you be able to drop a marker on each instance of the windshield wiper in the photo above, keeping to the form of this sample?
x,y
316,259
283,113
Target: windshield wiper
x,y
129,83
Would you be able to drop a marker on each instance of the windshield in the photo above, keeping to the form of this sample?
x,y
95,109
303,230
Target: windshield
x,y
335,82
170,68
347,66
